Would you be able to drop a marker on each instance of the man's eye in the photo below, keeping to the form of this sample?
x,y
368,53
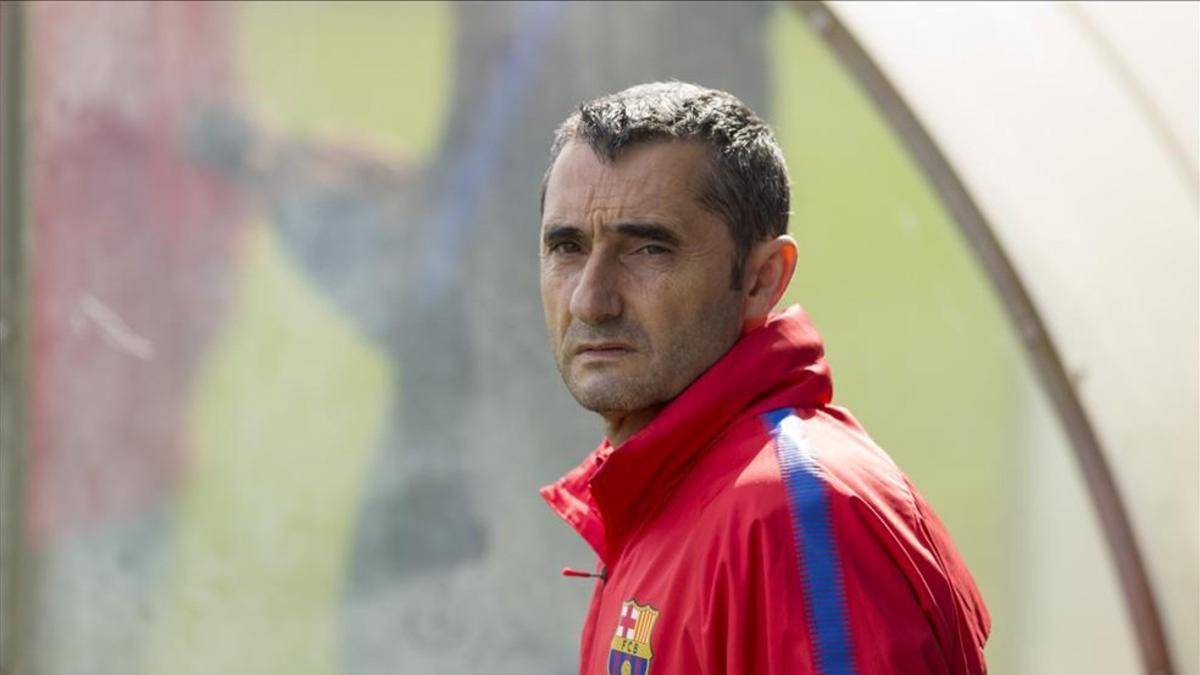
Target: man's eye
x,y
654,249
565,247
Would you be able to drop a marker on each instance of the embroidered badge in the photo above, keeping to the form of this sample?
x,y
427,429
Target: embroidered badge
x,y
630,653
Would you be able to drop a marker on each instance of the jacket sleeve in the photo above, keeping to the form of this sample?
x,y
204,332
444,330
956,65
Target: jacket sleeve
x,y
829,584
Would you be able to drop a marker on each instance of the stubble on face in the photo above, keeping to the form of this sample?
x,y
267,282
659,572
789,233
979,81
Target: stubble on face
x,y
664,369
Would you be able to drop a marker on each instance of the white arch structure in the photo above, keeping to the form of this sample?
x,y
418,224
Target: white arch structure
x,y
1063,139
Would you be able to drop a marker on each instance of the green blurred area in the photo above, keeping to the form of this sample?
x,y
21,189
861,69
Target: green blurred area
x,y
920,349
378,72
265,523
266,520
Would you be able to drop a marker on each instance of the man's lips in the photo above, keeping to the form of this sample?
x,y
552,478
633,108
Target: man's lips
x,y
602,349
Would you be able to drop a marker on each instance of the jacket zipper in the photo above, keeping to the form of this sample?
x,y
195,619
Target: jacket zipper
x,y
572,572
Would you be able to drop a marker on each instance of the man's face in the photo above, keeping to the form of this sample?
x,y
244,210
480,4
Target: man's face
x,y
635,275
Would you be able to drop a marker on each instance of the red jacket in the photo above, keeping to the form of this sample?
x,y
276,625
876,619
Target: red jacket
x,y
752,528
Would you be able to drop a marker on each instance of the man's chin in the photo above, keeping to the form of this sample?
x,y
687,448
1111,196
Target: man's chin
x,y
607,398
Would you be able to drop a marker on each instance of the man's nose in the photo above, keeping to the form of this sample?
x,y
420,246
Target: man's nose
x,y
597,296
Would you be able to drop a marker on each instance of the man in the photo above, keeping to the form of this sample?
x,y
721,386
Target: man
x,y
742,523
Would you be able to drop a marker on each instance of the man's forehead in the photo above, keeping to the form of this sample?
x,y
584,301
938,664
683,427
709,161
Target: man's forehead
x,y
656,175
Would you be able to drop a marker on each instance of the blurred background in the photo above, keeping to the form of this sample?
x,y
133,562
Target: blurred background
x,y
276,393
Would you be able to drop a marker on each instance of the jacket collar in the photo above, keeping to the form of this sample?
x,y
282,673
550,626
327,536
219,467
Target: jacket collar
x,y
778,364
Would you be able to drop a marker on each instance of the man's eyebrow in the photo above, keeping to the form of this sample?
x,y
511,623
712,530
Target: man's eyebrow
x,y
641,230
557,233
651,231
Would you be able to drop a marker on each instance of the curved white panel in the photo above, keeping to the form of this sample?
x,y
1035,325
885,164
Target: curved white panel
x,y
1032,106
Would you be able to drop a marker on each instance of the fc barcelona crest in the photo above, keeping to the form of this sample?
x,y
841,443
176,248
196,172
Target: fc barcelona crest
x,y
630,653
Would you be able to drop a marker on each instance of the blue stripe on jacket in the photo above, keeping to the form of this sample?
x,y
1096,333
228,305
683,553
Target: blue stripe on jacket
x,y
816,548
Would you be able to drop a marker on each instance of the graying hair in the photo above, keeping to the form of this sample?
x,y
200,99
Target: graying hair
x,y
747,179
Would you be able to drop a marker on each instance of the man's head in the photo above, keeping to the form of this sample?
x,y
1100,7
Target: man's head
x,y
664,219
745,181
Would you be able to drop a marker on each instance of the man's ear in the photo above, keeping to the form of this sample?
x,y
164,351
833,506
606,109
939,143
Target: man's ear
x,y
769,269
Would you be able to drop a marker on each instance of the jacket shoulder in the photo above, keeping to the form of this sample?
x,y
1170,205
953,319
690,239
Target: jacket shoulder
x,y
761,460
860,538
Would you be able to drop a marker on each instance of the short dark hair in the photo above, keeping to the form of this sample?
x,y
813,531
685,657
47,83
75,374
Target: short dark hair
x,y
747,182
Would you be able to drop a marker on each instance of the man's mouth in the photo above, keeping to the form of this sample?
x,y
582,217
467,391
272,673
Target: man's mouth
x,y
602,349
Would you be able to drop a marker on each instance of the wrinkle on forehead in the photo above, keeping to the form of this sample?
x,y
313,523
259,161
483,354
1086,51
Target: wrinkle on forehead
x,y
658,180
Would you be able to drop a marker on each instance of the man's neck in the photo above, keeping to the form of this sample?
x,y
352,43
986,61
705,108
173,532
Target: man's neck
x,y
620,427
